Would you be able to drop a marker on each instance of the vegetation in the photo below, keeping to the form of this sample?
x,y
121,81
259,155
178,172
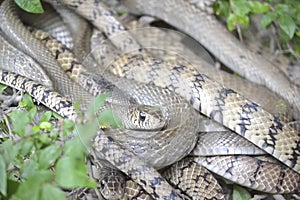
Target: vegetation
x,y
35,162
284,15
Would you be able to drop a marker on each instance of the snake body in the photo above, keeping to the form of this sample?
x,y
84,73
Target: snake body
x,y
223,105
135,140
254,178
191,18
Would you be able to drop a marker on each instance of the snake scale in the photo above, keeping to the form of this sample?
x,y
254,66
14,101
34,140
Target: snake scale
x,y
205,95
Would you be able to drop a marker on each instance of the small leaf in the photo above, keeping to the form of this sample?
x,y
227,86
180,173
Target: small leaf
x,y
53,135
9,151
46,126
32,187
68,127
244,20
231,21
287,25
267,19
68,124
48,156
240,193
75,175
32,6
3,176
57,116
35,129
97,103
20,120
298,33
29,168
86,132
258,7
75,148
240,7
282,9
107,119
221,8
50,192
77,109
25,146
121,12
46,116
2,87
12,187
26,102
44,139
32,112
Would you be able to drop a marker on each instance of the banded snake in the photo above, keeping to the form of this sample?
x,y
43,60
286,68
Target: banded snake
x,y
141,59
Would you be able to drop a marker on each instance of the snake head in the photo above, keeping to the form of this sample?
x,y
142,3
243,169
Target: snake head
x,y
144,117
112,185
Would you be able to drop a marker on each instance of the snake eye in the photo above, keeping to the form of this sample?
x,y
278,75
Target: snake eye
x,y
102,184
142,116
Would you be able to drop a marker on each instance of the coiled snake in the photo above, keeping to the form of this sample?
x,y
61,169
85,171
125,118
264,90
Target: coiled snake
x,y
208,97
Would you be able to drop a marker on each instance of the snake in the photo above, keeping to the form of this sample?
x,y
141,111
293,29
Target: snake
x,y
192,17
100,139
149,61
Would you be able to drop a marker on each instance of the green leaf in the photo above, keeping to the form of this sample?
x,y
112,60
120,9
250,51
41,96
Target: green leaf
x,y
267,19
31,188
97,103
29,168
244,20
20,120
75,148
221,8
9,151
35,129
240,193
26,102
46,116
231,21
32,6
32,112
87,131
50,192
71,172
44,139
121,12
25,146
46,126
240,7
12,187
282,9
77,109
107,119
68,127
287,25
57,116
48,156
298,33
2,87
3,176
258,7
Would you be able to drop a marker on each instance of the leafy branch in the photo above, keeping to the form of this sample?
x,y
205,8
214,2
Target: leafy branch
x,y
38,164
284,14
